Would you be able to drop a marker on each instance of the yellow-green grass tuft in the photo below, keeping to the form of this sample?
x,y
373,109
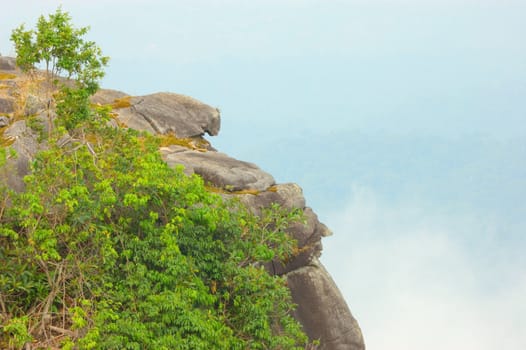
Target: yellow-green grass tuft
x,y
6,76
273,188
123,102
197,143
4,141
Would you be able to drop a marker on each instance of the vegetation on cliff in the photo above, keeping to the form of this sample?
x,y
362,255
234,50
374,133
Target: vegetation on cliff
x,y
109,248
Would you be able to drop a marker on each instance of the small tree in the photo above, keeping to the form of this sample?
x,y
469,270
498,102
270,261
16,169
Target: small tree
x,y
63,51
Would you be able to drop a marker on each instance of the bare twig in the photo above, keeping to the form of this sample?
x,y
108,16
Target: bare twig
x,y
2,304
64,331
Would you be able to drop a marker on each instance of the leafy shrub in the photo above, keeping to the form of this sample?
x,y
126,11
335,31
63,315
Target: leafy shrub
x,y
111,247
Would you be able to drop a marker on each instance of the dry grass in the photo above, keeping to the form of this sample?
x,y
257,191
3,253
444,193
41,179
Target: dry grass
x,y
25,88
273,188
123,102
4,141
193,143
120,123
6,76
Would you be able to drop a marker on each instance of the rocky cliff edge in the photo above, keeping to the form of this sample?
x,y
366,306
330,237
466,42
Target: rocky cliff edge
x,y
321,310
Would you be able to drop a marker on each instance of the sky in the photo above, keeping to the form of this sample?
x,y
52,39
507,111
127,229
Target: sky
x,y
403,120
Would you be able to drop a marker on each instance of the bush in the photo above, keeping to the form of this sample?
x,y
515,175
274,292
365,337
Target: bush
x,y
111,247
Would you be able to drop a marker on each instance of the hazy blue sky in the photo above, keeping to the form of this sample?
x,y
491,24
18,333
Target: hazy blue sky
x,y
403,120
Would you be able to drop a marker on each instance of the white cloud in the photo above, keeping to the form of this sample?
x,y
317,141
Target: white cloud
x,y
414,281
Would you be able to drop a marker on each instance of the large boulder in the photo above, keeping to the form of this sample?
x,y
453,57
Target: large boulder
x,y
218,169
169,113
322,310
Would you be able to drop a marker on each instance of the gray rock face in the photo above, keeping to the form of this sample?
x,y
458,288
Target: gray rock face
x,y
219,169
321,311
26,146
164,113
107,96
6,104
34,105
7,63
9,72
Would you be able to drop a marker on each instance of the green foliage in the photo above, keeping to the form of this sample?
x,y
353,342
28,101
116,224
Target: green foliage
x,y
63,51
73,106
128,253
2,157
17,332
61,48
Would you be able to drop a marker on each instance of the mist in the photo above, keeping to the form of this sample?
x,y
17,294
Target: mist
x,y
414,282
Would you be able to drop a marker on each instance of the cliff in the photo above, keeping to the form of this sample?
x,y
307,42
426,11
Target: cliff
x,y
184,121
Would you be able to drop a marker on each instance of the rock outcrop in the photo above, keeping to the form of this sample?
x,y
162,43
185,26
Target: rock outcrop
x,y
322,309
163,113
219,169
319,300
